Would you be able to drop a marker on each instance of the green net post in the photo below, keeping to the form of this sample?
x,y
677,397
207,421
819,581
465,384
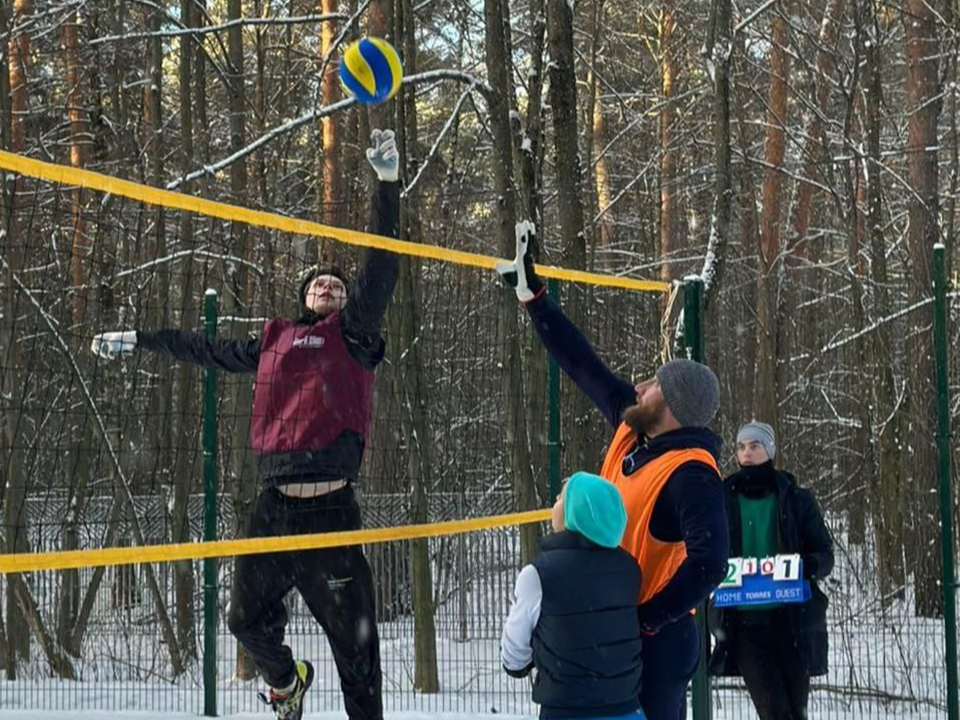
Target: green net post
x,y
553,395
210,515
693,340
946,501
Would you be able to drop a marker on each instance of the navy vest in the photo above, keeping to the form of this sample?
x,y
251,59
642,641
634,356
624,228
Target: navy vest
x,y
586,645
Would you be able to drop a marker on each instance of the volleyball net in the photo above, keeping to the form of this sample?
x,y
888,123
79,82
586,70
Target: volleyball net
x,y
104,511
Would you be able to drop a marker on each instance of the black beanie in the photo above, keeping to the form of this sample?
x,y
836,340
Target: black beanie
x,y
314,272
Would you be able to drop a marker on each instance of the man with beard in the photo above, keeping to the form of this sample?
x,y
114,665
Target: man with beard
x,y
312,409
664,462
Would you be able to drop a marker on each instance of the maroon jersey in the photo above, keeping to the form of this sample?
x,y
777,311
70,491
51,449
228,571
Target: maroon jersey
x,y
309,388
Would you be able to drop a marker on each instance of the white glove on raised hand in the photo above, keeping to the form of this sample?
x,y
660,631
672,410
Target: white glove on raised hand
x,y
519,274
383,156
111,345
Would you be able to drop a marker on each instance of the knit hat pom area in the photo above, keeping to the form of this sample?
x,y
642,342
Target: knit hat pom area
x,y
594,508
691,391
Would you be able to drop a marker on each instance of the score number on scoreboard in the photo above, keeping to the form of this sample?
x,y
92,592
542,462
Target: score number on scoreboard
x,y
761,581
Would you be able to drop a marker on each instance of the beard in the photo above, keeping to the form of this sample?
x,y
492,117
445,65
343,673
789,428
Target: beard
x,y
642,419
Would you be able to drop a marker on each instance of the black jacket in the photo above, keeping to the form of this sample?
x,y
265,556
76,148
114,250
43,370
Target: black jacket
x,y
586,644
360,322
800,530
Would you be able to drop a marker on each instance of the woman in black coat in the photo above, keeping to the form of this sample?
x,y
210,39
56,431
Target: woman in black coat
x,y
776,648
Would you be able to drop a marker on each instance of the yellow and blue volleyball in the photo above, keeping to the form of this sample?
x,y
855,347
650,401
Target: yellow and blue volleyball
x,y
370,70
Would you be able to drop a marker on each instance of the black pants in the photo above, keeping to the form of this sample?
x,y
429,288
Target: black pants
x,y
670,659
771,666
335,584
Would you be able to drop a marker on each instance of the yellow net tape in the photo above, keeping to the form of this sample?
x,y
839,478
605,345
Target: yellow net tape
x,y
75,177
68,559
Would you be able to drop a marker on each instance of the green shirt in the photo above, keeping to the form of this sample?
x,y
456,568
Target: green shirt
x,y
758,531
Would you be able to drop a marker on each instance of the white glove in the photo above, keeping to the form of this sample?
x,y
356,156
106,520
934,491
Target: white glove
x,y
519,274
383,156
111,345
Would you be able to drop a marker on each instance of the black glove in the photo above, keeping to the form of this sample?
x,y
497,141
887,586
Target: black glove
x,y
519,673
520,274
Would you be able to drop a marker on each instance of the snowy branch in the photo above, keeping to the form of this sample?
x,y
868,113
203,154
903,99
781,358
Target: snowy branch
x,y
281,130
242,22
753,16
264,139
837,344
440,137
185,253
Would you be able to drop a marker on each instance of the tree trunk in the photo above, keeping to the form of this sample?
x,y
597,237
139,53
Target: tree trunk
x,y
331,205
601,168
80,249
599,192
6,298
411,388
888,511
765,399
73,646
59,663
378,14
79,141
563,103
743,403
518,465
14,500
242,472
669,223
859,470
183,479
529,145
719,53
413,385
923,108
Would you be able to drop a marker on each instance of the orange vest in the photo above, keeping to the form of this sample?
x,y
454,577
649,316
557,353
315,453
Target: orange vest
x,y
658,560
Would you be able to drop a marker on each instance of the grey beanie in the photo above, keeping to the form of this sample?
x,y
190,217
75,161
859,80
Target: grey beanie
x,y
691,391
761,433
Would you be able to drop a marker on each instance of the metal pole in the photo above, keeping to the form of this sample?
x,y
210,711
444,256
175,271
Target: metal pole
x,y
946,501
553,395
693,340
210,516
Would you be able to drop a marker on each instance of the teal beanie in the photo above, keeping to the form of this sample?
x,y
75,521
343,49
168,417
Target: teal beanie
x,y
593,507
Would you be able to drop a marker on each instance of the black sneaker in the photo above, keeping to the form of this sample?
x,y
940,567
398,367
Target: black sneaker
x,y
289,705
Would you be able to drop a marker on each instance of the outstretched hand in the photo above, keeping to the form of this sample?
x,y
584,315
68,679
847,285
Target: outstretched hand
x,y
520,274
383,156
110,345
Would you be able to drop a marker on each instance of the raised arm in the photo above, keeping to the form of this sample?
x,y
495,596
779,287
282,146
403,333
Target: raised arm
x,y
368,300
236,356
562,339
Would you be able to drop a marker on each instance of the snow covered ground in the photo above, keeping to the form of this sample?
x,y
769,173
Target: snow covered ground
x,y
741,711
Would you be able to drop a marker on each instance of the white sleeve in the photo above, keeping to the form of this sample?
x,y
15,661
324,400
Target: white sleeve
x,y
516,652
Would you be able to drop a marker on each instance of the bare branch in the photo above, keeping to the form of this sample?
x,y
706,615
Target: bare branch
x,y
281,130
243,22
440,137
186,253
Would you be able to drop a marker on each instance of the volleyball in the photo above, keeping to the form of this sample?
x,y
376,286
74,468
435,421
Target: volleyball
x,y
370,70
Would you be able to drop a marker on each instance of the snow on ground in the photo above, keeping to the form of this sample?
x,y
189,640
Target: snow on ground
x,y
741,711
